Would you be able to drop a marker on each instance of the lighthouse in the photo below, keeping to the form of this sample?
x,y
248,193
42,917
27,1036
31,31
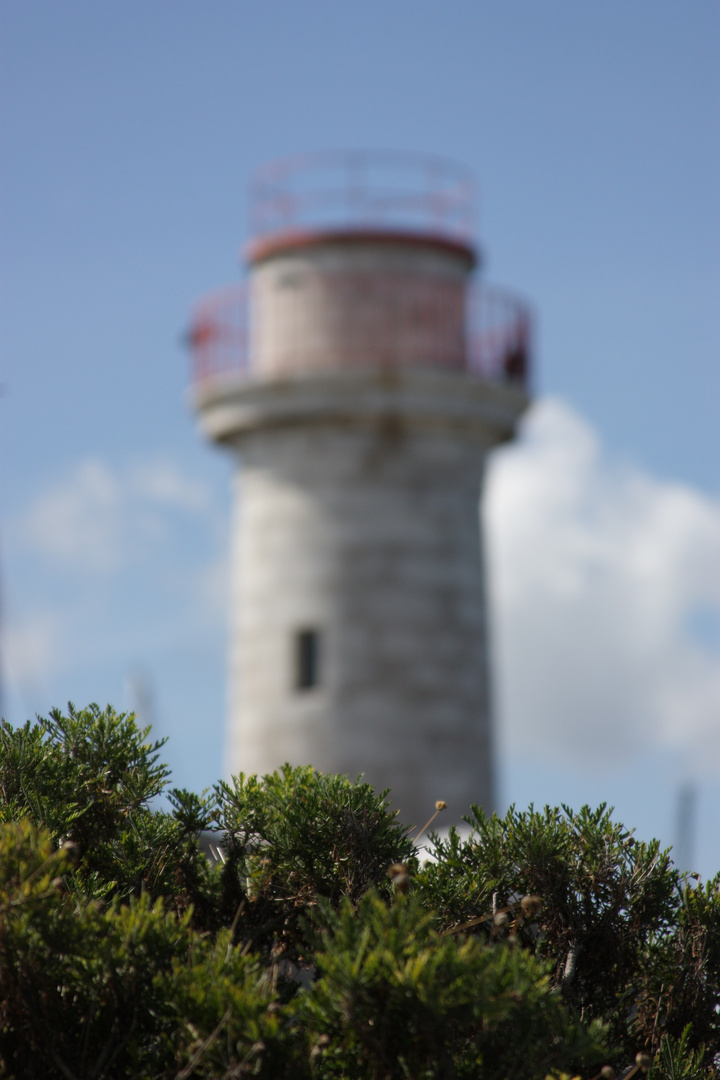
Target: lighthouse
x,y
359,379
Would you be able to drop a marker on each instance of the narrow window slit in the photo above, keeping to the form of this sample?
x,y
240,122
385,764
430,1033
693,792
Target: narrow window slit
x,y
307,649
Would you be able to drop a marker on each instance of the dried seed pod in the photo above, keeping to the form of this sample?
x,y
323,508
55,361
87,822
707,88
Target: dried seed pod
x,y
644,1060
441,805
531,905
71,850
398,874
607,1072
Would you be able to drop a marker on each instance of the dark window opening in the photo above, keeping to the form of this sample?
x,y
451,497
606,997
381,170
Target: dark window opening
x,y
307,649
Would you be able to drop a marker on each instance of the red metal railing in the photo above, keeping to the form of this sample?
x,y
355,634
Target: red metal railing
x,y
363,189
498,336
218,334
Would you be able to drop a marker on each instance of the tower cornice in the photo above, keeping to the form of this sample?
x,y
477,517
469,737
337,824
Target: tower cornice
x,y
261,248
230,407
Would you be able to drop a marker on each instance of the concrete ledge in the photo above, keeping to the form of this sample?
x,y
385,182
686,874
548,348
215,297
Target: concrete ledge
x,y
230,406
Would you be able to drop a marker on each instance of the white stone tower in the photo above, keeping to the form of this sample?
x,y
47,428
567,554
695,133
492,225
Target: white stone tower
x,y
360,384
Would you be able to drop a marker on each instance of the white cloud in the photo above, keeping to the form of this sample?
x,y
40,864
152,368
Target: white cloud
x,y
31,647
162,482
99,520
110,564
598,572
605,585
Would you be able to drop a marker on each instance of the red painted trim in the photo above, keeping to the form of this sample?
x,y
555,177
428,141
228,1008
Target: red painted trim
x,y
265,247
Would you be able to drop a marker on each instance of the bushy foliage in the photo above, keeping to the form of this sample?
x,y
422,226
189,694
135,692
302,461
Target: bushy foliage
x,y
394,998
296,837
127,989
89,777
612,915
317,943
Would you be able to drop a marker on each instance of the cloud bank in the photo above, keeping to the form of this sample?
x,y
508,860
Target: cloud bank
x,y
604,585
605,592
99,519
108,564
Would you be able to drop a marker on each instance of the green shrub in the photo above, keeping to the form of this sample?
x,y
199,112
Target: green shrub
x,y
394,998
316,945
608,915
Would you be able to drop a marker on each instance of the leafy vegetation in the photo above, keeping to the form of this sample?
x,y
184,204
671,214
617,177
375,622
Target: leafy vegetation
x,y
317,941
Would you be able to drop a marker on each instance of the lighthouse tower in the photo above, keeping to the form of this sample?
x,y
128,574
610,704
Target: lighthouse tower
x,y
360,383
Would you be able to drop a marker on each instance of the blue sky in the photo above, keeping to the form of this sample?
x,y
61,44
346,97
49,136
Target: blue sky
x,y
128,133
